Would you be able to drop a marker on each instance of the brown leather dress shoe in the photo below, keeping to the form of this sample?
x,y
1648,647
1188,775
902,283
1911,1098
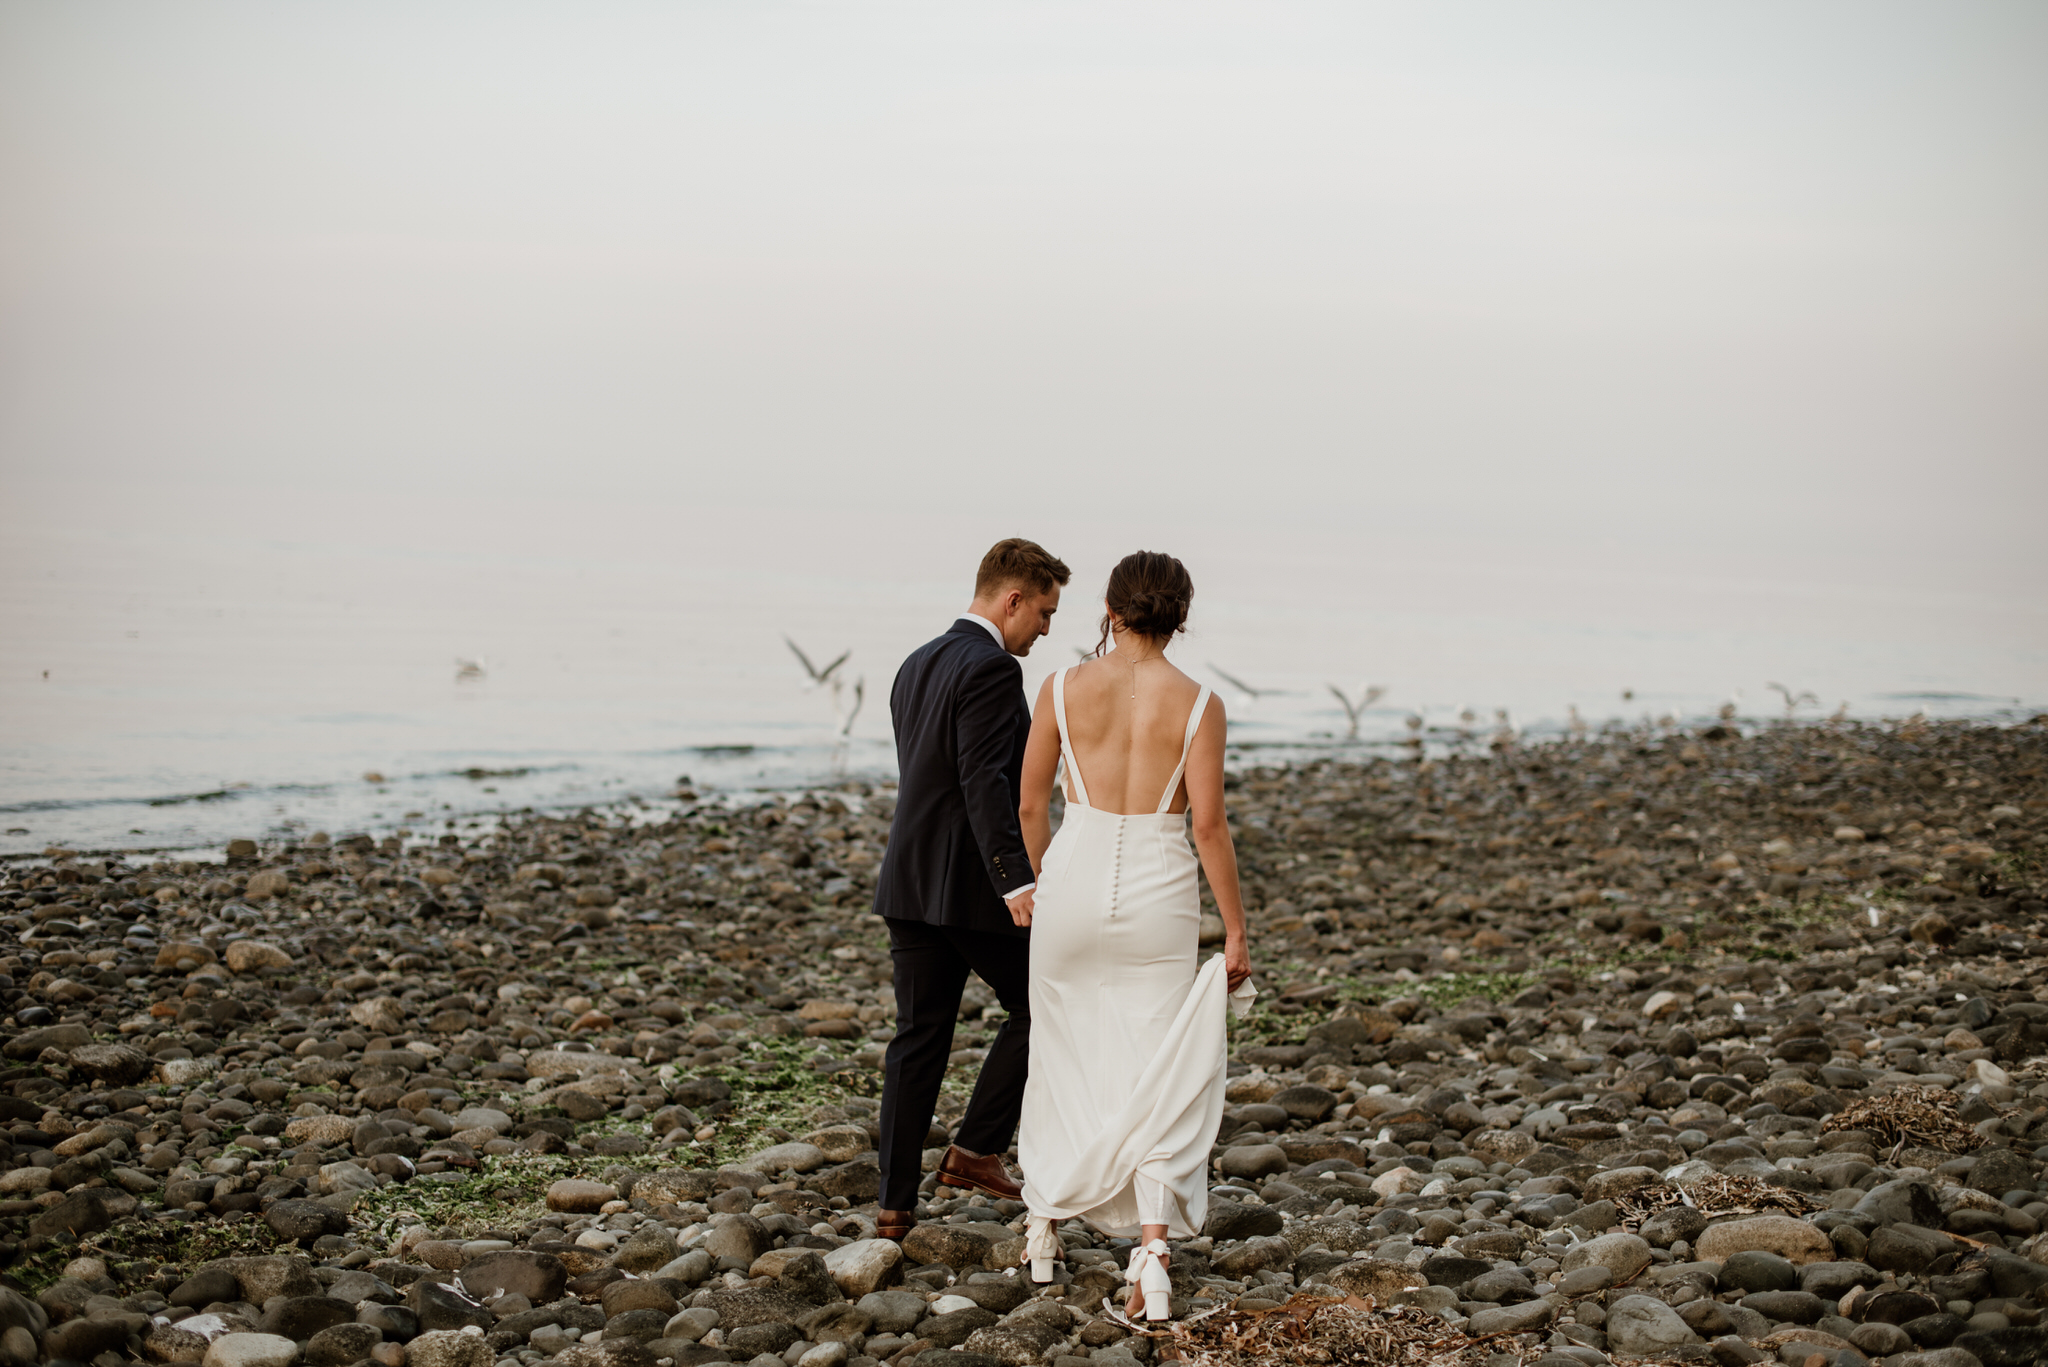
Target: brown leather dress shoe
x,y
894,1224
985,1175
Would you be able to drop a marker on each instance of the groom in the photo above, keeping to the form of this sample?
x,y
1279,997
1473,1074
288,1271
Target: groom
x,y
955,886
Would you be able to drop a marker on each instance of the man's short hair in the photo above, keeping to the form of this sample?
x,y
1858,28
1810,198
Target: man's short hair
x,y
1025,564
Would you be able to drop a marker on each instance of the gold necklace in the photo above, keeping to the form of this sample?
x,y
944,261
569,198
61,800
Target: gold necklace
x,y
1135,662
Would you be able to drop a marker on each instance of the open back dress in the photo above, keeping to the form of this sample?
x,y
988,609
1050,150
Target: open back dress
x,y
1125,1090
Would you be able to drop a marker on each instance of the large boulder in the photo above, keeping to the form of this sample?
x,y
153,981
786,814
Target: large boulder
x,y
739,1236
840,1143
1015,1343
894,1312
342,1345
301,1222
576,1196
539,1277
1523,1318
792,1157
443,1307
1672,1224
83,1339
646,1249
189,1338
805,1276
673,1186
637,1293
1252,1256
1641,1326
744,1305
256,956
1900,1202
251,1350
260,1278
31,1043
1229,1220
1753,1269
1622,1254
1618,1182
2014,1346
79,1214
449,1350
865,1266
117,1065
1252,1161
953,1328
858,1180
300,1317
1794,1240
956,1246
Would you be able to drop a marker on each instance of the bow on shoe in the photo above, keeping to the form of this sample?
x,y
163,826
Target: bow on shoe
x,y
1148,1273
1042,1247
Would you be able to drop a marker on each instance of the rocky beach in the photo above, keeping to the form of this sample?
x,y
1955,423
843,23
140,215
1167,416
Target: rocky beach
x,y
1723,1042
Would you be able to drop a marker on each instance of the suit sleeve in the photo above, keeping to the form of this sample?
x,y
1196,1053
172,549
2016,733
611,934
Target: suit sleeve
x,y
985,716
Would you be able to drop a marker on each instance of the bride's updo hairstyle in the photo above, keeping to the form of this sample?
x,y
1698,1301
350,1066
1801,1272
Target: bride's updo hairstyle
x,y
1149,592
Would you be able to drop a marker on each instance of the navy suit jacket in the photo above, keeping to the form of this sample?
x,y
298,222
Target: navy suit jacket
x,y
954,845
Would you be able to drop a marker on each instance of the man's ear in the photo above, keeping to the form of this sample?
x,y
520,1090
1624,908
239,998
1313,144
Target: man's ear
x,y
1013,600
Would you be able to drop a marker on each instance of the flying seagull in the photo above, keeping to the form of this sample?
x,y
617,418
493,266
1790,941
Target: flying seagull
x,y
1251,695
818,676
1351,711
1792,700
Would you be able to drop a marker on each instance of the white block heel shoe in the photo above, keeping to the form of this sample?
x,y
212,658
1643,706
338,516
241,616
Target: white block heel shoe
x,y
1149,1275
1042,1247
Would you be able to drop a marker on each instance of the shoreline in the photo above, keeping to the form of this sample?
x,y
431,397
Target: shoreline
x,y
1436,741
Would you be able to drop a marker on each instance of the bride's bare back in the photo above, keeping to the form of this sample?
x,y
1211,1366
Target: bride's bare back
x,y
1128,748
1130,718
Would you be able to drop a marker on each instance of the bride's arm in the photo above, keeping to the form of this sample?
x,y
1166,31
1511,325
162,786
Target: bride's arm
x,y
1212,837
1041,764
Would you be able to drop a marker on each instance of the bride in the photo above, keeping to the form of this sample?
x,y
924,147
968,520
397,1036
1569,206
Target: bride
x,y
1125,1088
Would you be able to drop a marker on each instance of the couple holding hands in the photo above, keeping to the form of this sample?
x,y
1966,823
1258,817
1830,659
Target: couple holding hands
x,y
1110,1068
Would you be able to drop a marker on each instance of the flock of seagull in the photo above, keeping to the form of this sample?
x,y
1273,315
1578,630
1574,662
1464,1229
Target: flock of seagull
x,y
847,699
832,679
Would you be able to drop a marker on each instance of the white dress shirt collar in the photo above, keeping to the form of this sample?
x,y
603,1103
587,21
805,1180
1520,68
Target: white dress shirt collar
x,y
987,625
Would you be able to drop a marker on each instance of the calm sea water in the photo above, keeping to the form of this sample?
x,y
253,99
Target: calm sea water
x,y
179,686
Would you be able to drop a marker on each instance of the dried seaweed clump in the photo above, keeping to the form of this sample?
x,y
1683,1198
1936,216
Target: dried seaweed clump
x,y
1714,1194
1309,1331
1917,1115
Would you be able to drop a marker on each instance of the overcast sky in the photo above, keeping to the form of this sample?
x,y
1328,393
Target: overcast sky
x,y
1720,287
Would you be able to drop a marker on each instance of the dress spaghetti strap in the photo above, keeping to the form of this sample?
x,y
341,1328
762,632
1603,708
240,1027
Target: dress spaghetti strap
x,y
1187,743
1059,713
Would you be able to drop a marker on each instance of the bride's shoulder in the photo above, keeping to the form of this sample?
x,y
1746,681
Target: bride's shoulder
x,y
1213,707
1190,689
1077,678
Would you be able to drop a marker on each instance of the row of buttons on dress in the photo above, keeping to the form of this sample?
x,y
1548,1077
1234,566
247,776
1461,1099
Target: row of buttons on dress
x,y
1116,866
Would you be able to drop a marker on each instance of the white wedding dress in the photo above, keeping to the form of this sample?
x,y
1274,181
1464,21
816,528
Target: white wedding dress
x,y
1128,1045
